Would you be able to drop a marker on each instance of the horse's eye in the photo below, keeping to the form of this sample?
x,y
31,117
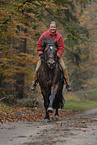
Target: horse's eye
x,y
55,48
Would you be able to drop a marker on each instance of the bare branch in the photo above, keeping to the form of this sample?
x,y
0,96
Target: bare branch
x,y
2,98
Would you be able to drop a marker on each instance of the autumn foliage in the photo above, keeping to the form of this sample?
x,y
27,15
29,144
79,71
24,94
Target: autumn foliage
x,y
16,113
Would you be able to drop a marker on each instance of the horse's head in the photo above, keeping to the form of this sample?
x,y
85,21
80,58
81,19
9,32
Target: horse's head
x,y
50,52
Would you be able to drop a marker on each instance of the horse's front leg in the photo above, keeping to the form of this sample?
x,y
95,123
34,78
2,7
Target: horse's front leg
x,y
51,98
56,114
46,115
46,94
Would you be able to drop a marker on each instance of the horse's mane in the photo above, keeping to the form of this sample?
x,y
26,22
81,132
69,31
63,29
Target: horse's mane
x,y
48,41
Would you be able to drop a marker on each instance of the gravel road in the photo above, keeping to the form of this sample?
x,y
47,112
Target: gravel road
x,y
78,129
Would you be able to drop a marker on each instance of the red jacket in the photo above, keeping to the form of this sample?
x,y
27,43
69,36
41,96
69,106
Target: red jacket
x,y
53,37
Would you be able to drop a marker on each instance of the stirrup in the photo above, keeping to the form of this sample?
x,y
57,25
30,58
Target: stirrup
x,y
68,87
33,86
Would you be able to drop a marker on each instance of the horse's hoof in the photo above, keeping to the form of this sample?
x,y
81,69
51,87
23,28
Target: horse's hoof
x,y
56,117
50,110
46,120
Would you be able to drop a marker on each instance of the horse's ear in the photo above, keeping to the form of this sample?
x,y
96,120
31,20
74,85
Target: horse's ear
x,y
44,40
43,43
56,43
55,40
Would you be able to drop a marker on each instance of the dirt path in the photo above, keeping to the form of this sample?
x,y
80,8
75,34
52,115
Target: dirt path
x,y
72,130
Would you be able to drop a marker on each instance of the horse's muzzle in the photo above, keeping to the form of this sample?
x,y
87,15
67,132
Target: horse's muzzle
x,y
51,64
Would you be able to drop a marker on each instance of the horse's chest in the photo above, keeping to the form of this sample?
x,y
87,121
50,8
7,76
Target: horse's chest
x,y
46,77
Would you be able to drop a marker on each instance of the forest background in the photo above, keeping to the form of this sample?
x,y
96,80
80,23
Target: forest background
x,y
21,24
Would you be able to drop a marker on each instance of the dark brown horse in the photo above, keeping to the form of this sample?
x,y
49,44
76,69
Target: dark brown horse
x,y
51,78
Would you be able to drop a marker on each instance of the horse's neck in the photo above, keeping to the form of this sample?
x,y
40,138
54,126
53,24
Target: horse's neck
x,y
44,66
48,71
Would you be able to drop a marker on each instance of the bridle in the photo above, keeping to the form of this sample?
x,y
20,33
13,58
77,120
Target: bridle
x,y
46,49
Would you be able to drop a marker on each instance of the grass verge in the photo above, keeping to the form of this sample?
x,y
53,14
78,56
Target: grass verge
x,y
80,105
81,100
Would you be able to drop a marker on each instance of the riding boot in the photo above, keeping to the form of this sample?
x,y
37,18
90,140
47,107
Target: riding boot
x,y
33,86
66,78
34,83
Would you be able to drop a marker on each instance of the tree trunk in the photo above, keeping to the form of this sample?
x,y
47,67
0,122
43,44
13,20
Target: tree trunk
x,y
20,77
